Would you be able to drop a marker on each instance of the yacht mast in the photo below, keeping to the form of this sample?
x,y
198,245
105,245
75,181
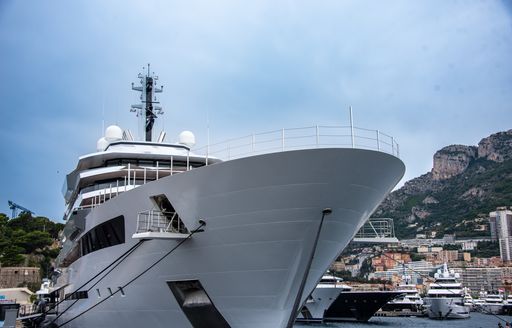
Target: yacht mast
x,y
147,109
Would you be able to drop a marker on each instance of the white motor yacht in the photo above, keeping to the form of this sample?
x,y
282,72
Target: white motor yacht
x,y
410,301
445,296
493,303
235,234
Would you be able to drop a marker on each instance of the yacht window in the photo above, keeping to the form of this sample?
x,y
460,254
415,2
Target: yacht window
x,y
104,235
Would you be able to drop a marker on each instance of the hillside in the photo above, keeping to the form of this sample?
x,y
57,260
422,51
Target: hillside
x,y
456,196
28,241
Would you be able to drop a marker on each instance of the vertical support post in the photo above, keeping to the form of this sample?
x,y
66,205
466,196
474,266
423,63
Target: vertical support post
x,y
378,140
188,159
253,141
134,176
128,174
125,184
117,187
172,164
392,146
397,150
156,170
317,136
110,192
282,139
145,168
352,127
207,142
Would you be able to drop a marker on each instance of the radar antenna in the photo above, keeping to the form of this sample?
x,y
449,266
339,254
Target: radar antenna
x,y
146,109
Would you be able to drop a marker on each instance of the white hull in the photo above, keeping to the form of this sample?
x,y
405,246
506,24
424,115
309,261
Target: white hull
x,y
446,308
261,215
492,308
320,300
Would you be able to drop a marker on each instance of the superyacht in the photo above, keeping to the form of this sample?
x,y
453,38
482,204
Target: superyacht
x,y
409,302
334,301
445,297
494,303
167,235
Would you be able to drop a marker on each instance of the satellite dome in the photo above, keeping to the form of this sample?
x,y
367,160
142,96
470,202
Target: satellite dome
x,y
113,133
102,144
187,138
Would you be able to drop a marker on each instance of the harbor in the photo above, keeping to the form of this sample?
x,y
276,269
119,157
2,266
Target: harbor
x,y
264,164
476,320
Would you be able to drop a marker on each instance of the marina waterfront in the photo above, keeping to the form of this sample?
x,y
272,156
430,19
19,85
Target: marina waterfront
x,y
477,320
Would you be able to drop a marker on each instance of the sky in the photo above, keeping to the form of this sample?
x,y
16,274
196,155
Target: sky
x,y
429,73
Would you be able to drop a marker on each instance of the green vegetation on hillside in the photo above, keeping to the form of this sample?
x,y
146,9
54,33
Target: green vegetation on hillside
x,y
27,240
482,187
486,249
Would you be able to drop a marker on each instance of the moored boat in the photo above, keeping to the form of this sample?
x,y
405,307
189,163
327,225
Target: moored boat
x,y
160,234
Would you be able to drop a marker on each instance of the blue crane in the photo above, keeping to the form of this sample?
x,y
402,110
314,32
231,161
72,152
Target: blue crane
x,y
15,207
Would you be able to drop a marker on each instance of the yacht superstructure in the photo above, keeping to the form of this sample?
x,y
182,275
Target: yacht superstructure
x,y
494,303
158,235
410,301
445,296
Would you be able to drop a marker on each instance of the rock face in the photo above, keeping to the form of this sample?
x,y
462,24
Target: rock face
x,y
496,147
464,181
452,160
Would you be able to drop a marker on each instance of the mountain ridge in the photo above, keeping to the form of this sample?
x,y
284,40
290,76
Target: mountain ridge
x,y
456,196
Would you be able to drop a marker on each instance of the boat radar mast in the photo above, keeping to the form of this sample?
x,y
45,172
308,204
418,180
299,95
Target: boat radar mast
x,y
147,109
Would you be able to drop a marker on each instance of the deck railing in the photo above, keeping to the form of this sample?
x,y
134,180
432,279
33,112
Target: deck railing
x,y
318,136
158,221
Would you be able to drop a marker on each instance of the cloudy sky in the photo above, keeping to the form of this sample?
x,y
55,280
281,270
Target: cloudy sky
x,y
430,73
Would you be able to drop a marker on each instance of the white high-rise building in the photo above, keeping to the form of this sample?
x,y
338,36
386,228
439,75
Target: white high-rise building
x,y
501,227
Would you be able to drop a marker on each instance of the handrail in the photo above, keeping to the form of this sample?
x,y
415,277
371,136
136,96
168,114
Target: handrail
x,y
318,136
158,221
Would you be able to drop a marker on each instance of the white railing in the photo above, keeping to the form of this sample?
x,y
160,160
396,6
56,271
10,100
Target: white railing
x,y
319,136
377,228
158,221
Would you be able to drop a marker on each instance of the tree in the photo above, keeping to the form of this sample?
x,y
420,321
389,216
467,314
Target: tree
x,y
11,256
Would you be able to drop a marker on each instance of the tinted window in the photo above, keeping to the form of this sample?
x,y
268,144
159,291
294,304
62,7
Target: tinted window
x,y
107,234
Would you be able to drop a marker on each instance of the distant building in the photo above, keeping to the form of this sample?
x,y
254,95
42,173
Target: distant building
x,y
418,270
389,260
501,229
12,277
488,279
20,295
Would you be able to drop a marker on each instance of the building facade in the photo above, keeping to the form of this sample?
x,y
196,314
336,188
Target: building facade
x,y
501,229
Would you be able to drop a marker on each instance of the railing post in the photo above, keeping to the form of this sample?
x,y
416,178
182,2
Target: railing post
x,y
128,173
378,140
397,150
156,170
392,146
352,127
282,139
317,135
253,141
145,175
172,164
188,159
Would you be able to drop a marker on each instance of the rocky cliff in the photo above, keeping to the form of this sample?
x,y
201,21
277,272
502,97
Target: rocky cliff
x,y
465,183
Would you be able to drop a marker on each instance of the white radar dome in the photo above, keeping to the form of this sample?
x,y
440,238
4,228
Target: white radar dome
x,y
113,133
187,138
102,144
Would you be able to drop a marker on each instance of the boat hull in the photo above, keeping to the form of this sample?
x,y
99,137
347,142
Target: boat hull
x,y
446,308
261,215
357,305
